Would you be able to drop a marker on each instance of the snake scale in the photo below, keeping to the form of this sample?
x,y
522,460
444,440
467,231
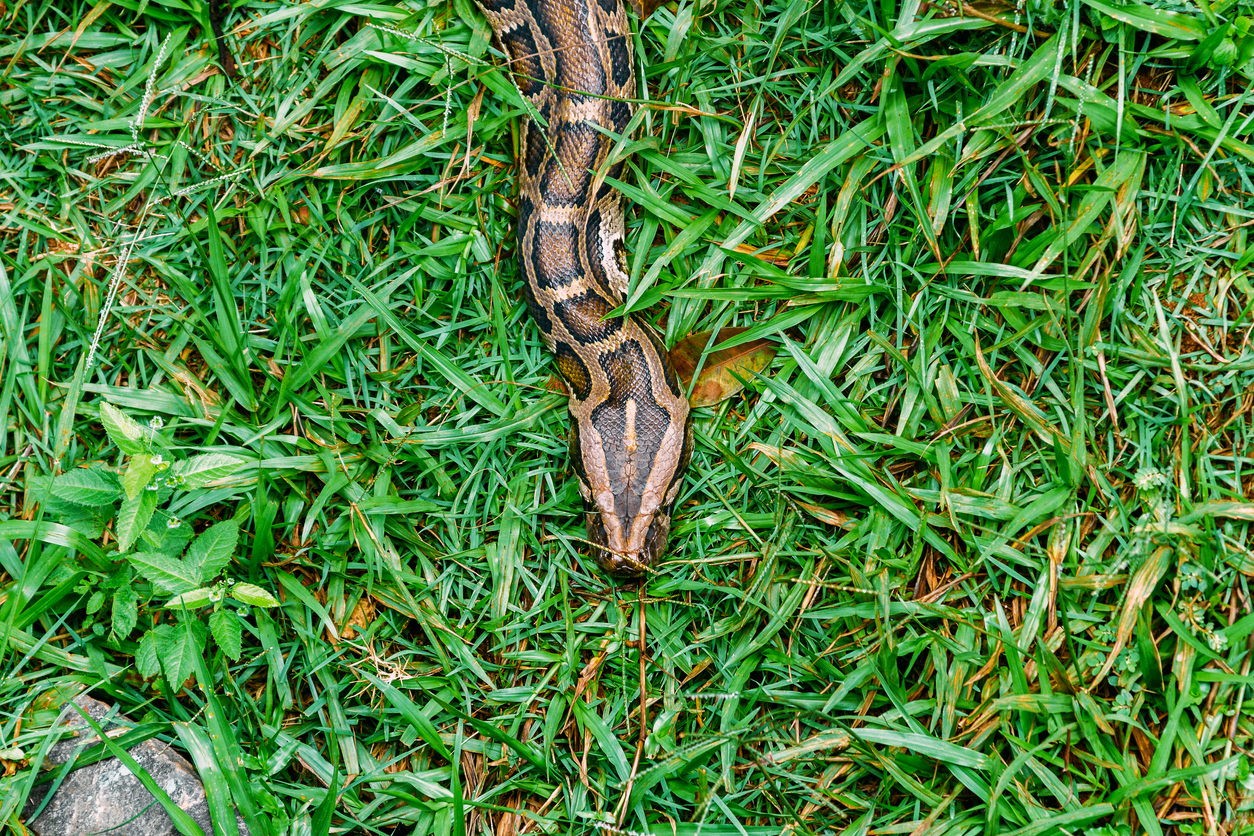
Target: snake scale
x,y
630,440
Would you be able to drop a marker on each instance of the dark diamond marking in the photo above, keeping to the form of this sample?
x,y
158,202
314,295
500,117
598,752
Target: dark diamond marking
x,y
574,371
592,234
672,381
555,255
566,178
620,115
620,58
538,313
584,317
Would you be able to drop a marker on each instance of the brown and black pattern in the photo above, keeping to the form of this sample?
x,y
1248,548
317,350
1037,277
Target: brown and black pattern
x,y
630,440
587,319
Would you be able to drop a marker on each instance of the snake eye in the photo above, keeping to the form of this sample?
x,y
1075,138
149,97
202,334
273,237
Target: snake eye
x,y
596,535
655,540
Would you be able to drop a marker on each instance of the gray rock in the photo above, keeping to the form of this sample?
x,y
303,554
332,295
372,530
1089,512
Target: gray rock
x,y
106,796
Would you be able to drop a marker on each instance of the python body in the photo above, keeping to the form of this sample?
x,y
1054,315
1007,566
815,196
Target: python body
x,y
630,441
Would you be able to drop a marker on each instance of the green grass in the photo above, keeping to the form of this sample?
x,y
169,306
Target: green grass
x,y
973,556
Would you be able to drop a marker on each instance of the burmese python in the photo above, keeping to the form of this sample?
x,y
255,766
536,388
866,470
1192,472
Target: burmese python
x,y
630,440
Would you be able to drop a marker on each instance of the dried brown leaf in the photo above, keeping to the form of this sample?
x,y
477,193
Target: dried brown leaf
x,y
721,373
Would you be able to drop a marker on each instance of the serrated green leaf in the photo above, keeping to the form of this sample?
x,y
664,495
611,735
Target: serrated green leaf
x,y
177,648
226,629
91,488
191,600
248,593
212,550
127,433
88,522
168,539
170,574
133,518
146,660
125,612
138,475
119,578
199,471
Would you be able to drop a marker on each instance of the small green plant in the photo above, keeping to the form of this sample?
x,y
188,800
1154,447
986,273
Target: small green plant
x,y
191,579
162,554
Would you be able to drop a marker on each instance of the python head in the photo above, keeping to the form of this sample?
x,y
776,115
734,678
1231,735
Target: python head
x,y
633,548
629,458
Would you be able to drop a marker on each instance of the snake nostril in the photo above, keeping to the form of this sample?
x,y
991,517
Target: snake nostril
x,y
623,565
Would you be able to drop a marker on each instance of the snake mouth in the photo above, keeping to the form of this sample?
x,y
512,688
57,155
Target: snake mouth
x,y
629,562
622,564
611,560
